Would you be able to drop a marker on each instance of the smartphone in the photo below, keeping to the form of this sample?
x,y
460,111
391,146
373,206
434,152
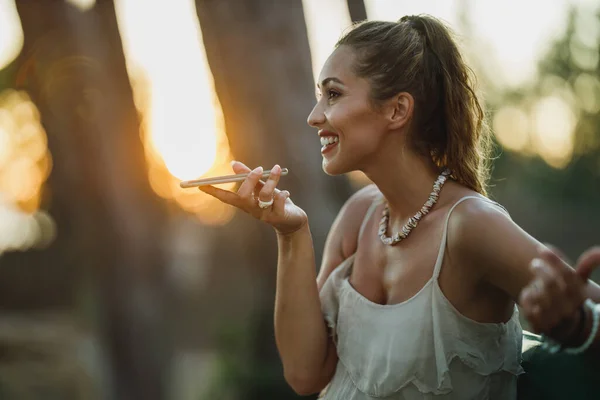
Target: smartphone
x,y
225,179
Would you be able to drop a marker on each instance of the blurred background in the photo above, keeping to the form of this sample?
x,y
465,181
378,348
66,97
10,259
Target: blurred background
x,y
117,284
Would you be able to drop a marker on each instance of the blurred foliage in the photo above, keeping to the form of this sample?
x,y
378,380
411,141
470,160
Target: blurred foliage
x,y
570,70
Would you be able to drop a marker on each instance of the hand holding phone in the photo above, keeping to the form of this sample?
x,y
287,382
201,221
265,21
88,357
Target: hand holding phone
x,y
257,197
225,179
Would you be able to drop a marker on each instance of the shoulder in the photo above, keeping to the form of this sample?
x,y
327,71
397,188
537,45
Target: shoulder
x,y
476,213
349,220
361,200
342,239
474,221
484,239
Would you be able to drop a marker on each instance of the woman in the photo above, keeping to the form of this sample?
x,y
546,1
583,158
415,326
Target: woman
x,y
415,297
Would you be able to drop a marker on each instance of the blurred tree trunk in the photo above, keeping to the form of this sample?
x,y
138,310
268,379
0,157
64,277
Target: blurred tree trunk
x,y
357,10
260,59
108,219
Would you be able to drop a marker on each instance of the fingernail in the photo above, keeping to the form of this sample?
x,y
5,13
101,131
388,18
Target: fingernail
x,y
232,163
536,263
258,170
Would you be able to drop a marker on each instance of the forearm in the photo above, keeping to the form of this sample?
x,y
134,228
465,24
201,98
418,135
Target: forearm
x,y
300,330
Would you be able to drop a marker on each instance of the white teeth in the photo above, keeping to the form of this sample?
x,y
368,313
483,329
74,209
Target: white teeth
x,y
325,140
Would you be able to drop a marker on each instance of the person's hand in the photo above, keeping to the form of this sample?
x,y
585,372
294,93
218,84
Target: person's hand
x,y
551,301
283,215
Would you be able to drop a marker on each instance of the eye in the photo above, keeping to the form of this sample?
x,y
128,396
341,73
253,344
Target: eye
x,y
332,94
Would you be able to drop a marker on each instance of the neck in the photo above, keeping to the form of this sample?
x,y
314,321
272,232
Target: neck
x,y
405,179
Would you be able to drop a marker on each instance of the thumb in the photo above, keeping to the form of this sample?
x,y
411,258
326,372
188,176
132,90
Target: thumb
x,y
587,262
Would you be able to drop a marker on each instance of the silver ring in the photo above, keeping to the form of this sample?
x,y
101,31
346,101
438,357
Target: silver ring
x,y
265,204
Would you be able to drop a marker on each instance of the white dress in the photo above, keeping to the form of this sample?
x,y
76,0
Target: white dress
x,y
422,348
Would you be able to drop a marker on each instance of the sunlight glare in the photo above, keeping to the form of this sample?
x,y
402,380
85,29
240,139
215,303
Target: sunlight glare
x,y
11,34
182,122
326,21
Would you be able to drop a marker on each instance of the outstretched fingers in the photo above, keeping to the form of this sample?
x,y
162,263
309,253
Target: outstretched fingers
x,y
267,192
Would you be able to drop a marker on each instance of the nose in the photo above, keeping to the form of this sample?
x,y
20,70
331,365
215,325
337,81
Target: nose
x,y
316,116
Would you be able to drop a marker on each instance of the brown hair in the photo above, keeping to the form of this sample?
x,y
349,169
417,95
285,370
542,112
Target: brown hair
x,y
419,55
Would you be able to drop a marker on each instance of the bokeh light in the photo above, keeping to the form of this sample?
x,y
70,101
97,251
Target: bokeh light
x,y
25,164
511,126
587,90
554,126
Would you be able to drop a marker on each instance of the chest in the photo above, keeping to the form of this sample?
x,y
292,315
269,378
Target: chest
x,y
394,274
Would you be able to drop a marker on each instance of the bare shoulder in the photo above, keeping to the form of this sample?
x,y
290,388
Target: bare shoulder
x,y
472,220
483,238
343,236
477,212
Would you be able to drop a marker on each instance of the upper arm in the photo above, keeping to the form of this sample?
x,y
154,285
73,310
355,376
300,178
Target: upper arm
x,y
342,239
492,245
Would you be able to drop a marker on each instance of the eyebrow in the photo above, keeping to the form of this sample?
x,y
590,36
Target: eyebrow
x,y
327,80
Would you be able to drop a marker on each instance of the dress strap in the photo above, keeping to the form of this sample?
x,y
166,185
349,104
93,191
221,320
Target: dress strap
x,y
370,212
440,257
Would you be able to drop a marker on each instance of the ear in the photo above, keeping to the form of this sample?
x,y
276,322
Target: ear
x,y
401,110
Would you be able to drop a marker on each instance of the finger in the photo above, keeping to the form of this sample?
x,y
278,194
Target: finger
x,y
279,202
538,305
224,195
537,320
539,308
531,295
266,193
531,311
551,279
239,167
557,293
526,298
247,188
587,262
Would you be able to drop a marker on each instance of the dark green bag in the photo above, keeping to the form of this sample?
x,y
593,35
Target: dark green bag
x,y
557,376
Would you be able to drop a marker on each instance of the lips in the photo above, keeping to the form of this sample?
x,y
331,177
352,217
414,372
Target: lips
x,y
329,140
328,143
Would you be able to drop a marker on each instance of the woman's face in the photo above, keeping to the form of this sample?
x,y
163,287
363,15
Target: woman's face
x,y
350,127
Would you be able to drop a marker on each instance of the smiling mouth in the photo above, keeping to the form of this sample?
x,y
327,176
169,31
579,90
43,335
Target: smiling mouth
x,y
328,142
